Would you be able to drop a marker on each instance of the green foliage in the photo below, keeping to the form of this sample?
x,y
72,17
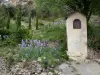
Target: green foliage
x,y
55,32
29,53
10,54
55,8
25,19
8,42
18,16
23,34
48,8
3,15
3,20
48,57
40,23
63,51
94,37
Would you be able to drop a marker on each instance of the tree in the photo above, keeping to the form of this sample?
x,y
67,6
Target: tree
x,y
18,16
45,9
3,20
37,13
86,7
30,12
8,18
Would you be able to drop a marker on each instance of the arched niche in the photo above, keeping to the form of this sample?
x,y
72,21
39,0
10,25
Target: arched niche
x,y
76,24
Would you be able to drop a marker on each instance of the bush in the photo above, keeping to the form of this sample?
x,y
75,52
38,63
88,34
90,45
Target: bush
x,y
45,55
8,42
23,34
94,37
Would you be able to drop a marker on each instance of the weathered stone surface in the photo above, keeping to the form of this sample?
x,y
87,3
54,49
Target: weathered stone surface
x,y
77,38
66,69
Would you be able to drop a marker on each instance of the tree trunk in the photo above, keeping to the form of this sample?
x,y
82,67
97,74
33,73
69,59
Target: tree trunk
x,y
37,21
30,27
87,10
89,15
8,21
18,17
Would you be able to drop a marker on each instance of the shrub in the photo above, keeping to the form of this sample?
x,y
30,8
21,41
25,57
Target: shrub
x,y
9,40
48,56
94,37
23,34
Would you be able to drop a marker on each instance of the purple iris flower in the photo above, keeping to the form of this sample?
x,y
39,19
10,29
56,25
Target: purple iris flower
x,y
26,41
5,36
23,44
31,43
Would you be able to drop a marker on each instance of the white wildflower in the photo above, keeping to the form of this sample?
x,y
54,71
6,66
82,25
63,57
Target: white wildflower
x,y
39,59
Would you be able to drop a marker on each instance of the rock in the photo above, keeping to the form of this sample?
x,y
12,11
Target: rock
x,y
56,71
39,68
50,73
44,73
65,69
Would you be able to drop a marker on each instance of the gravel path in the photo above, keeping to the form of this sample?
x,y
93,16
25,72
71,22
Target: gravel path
x,y
2,67
70,68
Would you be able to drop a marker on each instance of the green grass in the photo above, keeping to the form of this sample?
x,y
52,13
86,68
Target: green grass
x,y
54,32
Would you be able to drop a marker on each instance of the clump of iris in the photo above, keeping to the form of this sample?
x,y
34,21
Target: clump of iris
x,y
35,43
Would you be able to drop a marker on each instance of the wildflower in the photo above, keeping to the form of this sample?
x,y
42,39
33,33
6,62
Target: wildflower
x,y
5,36
42,44
39,59
35,41
26,41
44,57
31,43
26,54
23,44
28,45
35,46
41,49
